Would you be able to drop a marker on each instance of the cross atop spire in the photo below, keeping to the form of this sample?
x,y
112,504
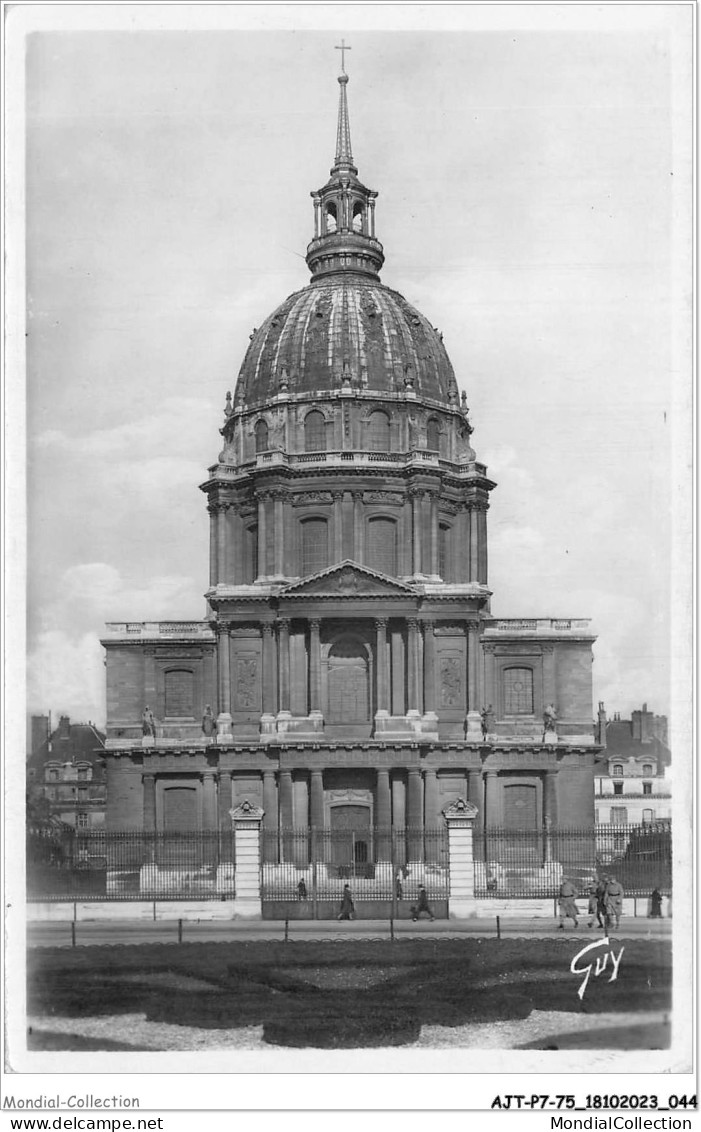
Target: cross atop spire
x,y
343,48
344,156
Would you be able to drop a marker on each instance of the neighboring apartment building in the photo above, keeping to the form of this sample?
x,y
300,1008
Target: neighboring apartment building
x,y
633,777
66,777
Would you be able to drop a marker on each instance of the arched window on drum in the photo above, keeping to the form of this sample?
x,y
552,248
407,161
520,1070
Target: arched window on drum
x,y
518,691
381,546
315,432
433,435
378,431
315,546
261,432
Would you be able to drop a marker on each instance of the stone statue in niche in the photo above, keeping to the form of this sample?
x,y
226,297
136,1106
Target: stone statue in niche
x,y
487,714
246,683
208,726
148,723
450,682
549,719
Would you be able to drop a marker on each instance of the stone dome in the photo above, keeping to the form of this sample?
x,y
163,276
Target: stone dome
x,y
346,330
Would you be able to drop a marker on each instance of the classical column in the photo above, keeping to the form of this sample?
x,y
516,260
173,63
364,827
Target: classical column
x,y
398,800
222,542
433,497
149,802
224,672
492,800
317,202
337,525
226,839
270,819
371,210
269,667
209,800
262,536
213,544
279,532
283,626
429,667
415,815
482,550
286,814
474,719
472,527
317,800
475,790
413,665
358,540
382,666
398,707
431,815
224,800
550,799
314,665
430,797
383,815
416,500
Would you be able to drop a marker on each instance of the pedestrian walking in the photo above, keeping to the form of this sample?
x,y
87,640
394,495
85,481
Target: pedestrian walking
x,y
399,891
301,889
614,902
601,889
422,905
593,905
347,906
568,904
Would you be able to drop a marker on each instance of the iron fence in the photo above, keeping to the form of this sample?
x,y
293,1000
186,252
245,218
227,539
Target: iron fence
x,y
378,864
96,864
532,863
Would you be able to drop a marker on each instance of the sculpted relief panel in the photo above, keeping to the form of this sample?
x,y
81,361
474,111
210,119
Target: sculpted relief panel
x,y
247,691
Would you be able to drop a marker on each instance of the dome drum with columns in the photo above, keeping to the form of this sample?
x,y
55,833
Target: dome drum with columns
x,y
349,656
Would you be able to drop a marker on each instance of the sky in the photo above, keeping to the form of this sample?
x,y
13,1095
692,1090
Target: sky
x,y
533,169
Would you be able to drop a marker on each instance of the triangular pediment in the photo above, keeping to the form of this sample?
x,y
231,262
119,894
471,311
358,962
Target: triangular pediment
x,y
348,579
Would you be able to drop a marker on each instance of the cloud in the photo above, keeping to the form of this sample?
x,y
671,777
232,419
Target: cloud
x,y
66,675
65,671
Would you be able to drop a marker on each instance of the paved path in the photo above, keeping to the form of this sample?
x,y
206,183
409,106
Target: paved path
x,y
99,933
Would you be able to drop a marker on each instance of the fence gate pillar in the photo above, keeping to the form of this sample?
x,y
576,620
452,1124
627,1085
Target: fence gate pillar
x,y
247,820
460,816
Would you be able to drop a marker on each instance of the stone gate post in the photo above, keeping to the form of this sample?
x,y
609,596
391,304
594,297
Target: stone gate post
x,y
247,820
460,816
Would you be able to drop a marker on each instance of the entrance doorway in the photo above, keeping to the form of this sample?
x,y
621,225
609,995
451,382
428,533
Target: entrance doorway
x,y
351,840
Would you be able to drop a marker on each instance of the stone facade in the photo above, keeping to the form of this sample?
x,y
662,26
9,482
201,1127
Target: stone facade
x,y
351,665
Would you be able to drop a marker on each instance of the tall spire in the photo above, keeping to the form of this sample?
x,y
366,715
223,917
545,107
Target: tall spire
x,y
344,209
344,155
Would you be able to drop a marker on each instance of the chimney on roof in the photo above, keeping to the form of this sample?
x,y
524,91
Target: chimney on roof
x,y
601,732
64,727
642,725
39,732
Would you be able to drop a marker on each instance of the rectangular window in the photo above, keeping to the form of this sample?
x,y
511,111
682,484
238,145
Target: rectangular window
x,y
518,691
619,815
647,788
618,787
314,546
618,772
648,816
81,821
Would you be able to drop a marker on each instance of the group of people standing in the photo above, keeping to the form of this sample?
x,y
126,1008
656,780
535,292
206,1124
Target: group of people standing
x,y
605,902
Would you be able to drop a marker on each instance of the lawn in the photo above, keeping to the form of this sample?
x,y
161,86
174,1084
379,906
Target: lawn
x,y
350,994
